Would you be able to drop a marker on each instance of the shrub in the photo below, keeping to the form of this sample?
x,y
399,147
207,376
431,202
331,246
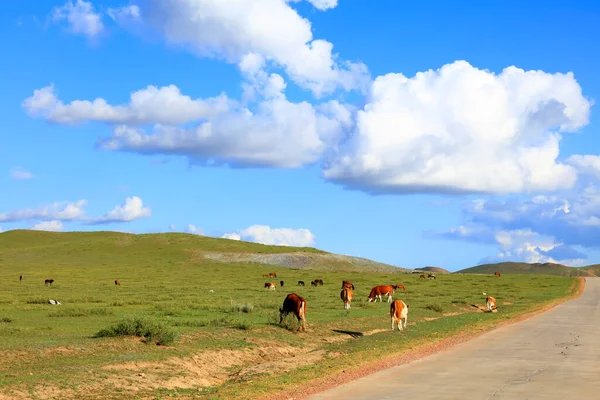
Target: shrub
x,y
435,307
241,307
6,320
150,330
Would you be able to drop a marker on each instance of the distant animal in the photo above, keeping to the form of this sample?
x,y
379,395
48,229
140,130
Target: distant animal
x,y
497,273
117,283
490,303
430,276
300,283
270,285
53,302
48,281
379,291
422,276
20,277
346,295
319,281
294,304
347,284
272,275
313,284
265,275
281,283
399,312
399,286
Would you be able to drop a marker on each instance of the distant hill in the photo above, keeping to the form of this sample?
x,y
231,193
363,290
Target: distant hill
x,y
19,247
533,268
436,270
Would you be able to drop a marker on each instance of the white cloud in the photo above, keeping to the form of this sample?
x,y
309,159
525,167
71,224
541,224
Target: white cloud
x,y
51,226
586,164
164,105
196,230
60,210
461,129
319,4
131,12
232,29
274,236
131,210
20,173
172,227
80,16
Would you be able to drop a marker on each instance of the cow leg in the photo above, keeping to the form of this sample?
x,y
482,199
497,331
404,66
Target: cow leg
x,y
392,322
405,321
389,298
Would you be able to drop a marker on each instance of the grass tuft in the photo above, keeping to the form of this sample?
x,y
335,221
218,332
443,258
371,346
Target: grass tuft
x,y
152,331
435,307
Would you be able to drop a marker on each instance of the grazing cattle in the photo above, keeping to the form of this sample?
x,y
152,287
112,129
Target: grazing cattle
x,y
20,277
117,283
319,281
399,312
399,286
270,285
281,283
347,284
313,284
490,303
265,275
381,290
497,273
431,276
294,304
346,295
300,283
421,276
48,281
272,275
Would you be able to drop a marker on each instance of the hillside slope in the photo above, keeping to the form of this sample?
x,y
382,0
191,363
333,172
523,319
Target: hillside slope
x,y
533,268
25,247
435,270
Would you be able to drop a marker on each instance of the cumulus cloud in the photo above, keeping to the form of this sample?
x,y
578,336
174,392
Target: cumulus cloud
x,y
233,29
81,17
20,173
319,4
278,133
131,12
196,230
163,105
463,130
131,210
51,226
274,236
587,164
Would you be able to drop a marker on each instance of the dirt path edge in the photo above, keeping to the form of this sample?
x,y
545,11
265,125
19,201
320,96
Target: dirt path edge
x,y
321,384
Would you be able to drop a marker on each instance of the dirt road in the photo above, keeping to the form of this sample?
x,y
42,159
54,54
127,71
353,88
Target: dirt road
x,y
555,355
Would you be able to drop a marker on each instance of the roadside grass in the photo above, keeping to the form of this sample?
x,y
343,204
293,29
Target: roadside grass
x,y
218,328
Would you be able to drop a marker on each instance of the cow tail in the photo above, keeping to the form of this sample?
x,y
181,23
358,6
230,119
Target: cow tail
x,y
303,310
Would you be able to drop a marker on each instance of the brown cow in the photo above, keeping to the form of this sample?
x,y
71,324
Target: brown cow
x,y
300,283
399,312
490,303
314,284
422,276
399,286
265,275
117,283
270,285
297,305
381,290
319,281
346,295
272,274
497,273
347,284
48,281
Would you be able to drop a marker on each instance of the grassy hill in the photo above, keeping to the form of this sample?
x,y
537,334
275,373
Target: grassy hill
x,y
435,270
532,268
25,247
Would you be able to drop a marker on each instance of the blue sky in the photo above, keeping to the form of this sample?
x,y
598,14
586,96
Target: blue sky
x,y
413,133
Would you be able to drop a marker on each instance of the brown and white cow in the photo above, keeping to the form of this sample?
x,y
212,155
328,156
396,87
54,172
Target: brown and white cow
x,y
490,303
117,283
399,286
270,285
379,291
272,274
398,313
48,281
497,273
346,295
347,284
319,281
265,275
421,276
294,304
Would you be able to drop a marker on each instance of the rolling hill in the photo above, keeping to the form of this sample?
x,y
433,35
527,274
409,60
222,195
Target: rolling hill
x,y
435,270
532,268
20,247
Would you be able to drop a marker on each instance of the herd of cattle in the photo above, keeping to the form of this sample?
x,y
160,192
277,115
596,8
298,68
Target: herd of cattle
x,y
296,304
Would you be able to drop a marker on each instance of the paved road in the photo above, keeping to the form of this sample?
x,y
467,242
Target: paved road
x,y
555,355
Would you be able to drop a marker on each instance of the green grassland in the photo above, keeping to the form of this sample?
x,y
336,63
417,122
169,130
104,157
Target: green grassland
x,y
227,342
533,268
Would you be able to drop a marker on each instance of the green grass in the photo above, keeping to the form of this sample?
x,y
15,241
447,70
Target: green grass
x,y
532,268
216,326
